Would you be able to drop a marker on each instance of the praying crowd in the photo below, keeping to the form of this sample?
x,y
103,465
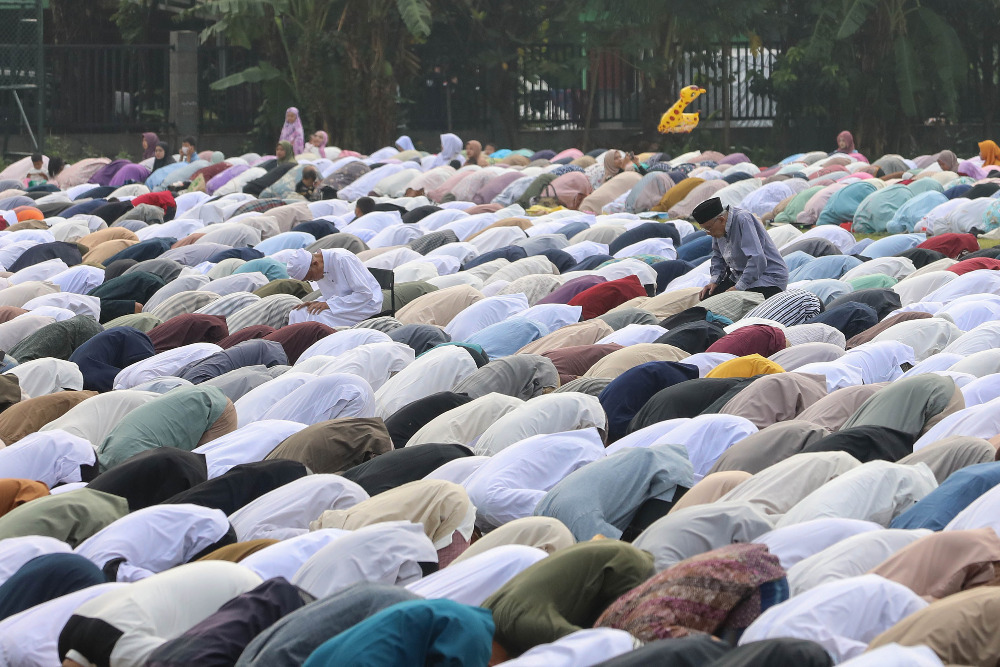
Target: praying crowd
x,y
481,406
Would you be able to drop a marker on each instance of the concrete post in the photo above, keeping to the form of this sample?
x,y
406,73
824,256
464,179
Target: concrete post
x,y
184,110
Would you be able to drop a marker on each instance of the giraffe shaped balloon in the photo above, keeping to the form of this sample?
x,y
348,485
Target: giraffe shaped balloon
x,y
675,121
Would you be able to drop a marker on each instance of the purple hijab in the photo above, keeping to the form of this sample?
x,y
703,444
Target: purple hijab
x,y
151,141
292,132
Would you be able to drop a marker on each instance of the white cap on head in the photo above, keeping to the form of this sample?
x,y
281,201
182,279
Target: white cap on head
x,y
296,262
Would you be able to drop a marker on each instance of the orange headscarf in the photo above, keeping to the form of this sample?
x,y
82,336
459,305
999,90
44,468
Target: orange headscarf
x,y
990,152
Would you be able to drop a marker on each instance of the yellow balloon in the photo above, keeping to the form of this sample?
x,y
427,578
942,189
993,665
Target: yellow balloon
x,y
675,121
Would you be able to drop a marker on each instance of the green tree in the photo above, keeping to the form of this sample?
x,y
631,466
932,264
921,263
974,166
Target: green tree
x,y
338,61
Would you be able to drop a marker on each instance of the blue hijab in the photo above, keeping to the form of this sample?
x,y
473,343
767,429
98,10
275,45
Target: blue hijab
x,y
419,632
628,392
940,506
46,578
102,357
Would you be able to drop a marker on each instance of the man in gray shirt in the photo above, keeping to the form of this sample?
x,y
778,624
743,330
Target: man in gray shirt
x,y
744,257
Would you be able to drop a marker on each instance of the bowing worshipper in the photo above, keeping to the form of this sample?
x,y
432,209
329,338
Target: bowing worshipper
x,y
187,329
124,626
542,532
778,652
72,516
522,376
465,423
684,652
512,482
155,539
17,551
183,419
876,491
694,530
620,495
952,454
402,466
404,423
744,257
834,409
240,485
630,391
388,552
428,632
101,358
839,615
151,477
335,445
16,492
475,579
291,639
848,558
46,578
911,404
50,457
551,413
287,511
349,292
768,446
866,443
775,398
220,638
563,593
779,487
333,396
945,563
279,558
792,544
719,592
444,508
956,628
94,418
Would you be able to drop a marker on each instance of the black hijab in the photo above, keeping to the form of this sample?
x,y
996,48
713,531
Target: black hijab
x,y
402,466
410,418
166,159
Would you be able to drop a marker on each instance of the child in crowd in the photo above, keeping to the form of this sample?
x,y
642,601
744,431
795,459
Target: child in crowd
x,y
37,175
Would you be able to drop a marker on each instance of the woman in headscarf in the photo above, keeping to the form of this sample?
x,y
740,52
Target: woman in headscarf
x,y
71,517
349,292
989,152
564,592
845,143
161,156
318,141
956,628
155,539
451,146
335,445
719,592
126,625
608,496
436,630
45,578
184,419
149,144
292,133
948,161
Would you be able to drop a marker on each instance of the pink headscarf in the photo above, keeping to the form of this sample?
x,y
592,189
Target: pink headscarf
x,y
321,149
292,132
849,139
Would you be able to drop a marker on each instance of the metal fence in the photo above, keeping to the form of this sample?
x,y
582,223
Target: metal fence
x,y
234,109
21,67
107,88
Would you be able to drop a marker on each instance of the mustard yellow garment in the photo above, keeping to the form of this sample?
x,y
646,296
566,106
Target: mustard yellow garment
x,y
745,367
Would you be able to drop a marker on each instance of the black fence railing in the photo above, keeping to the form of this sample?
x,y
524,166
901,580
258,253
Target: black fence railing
x,y
233,109
107,88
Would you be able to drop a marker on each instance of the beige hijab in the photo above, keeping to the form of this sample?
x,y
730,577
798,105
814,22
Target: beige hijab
x,y
541,532
441,507
439,307
833,410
